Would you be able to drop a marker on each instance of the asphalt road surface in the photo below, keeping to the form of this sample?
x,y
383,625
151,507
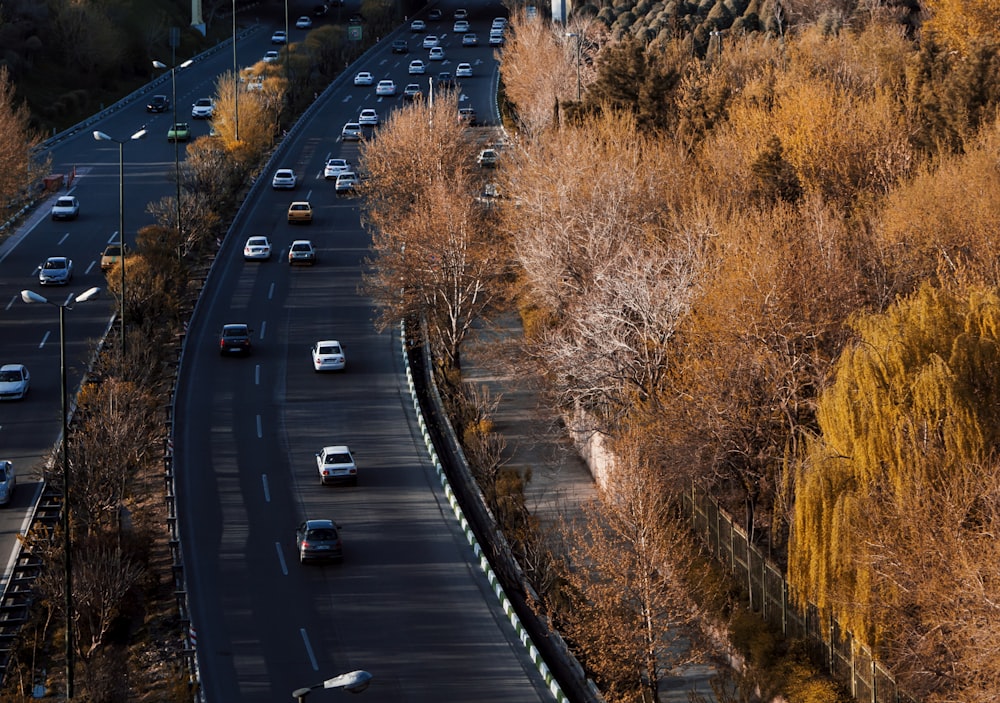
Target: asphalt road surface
x,y
408,603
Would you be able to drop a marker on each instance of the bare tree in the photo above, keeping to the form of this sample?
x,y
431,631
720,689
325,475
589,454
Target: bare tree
x,y
604,256
624,564
18,168
436,258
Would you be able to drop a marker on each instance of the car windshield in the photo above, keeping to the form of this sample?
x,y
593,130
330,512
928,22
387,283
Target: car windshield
x,y
55,264
338,459
300,247
3,474
321,535
329,349
8,376
65,202
234,332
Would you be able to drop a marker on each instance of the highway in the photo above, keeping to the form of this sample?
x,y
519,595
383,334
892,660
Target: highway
x,y
29,429
407,603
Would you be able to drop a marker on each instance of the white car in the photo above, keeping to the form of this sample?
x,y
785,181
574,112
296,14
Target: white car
x,y
430,40
364,78
279,37
257,249
417,67
418,26
351,132
460,27
463,70
203,109
66,207
436,54
14,381
335,167
284,179
336,463
496,38
303,22
57,270
301,252
385,88
8,481
346,182
368,117
270,56
328,355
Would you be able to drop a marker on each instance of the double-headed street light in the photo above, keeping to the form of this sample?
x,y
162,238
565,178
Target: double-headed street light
x,y
177,161
102,137
30,296
355,682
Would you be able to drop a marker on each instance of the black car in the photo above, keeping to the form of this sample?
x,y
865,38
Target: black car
x,y
320,10
400,47
235,339
446,80
318,540
434,15
158,103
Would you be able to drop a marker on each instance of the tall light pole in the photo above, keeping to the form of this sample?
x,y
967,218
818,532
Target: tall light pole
x,y
355,682
236,84
177,161
30,296
102,137
579,38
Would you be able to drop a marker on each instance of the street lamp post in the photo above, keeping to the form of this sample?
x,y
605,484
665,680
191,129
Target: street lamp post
x,y
177,162
30,296
579,38
102,137
355,682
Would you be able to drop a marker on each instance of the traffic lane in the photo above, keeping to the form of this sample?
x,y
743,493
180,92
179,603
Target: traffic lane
x,y
278,652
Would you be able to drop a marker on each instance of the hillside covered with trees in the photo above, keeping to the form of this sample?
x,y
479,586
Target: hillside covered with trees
x,y
764,242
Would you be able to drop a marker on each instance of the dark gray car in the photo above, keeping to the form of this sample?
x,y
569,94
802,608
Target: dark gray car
x,y
318,540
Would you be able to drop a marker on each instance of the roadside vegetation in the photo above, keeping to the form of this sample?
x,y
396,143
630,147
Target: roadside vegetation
x,y
757,254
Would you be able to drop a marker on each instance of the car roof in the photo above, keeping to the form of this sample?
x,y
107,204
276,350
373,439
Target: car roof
x,y
337,449
284,170
18,367
302,241
257,236
327,341
319,524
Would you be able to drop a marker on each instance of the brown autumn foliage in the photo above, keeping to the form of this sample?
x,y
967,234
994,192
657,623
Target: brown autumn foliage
x,y
19,169
624,566
435,256
825,176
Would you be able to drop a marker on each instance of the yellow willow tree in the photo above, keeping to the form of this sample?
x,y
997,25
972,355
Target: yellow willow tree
x,y
911,411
